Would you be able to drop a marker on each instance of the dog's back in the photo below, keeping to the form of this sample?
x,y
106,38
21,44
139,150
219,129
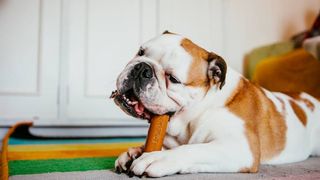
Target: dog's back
x,y
301,113
287,125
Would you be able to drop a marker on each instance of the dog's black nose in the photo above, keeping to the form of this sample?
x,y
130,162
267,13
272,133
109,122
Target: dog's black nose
x,y
142,70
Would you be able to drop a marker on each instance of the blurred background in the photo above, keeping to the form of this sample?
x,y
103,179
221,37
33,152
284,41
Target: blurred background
x,y
59,58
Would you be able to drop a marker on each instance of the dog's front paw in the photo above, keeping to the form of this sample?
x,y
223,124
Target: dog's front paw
x,y
124,161
156,164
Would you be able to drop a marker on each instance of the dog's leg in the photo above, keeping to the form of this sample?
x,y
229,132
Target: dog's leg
x,y
124,161
191,158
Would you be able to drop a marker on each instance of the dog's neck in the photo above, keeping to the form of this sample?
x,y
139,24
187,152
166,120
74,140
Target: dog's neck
x,y
214,98
217,97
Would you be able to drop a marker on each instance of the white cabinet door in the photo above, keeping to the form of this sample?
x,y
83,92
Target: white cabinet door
x,y
29,57
102,37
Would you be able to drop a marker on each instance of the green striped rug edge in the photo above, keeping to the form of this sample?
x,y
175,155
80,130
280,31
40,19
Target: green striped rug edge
x,y
23,167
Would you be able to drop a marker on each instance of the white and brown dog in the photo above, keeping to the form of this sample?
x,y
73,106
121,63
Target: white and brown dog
x,y
220,121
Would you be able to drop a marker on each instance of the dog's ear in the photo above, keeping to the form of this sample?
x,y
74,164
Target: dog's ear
x,y
167,32
217,70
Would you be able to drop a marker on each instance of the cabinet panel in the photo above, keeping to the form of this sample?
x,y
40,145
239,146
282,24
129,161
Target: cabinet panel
x,y
102,39
29,59
19,46
112,37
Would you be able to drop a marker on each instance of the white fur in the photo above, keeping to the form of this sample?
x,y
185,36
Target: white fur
x,y
166,56
301,141
297,147
204,136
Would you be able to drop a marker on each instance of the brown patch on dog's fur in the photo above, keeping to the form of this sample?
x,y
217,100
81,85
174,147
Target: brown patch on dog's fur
x,y
265,127
197,75
308,103
297,97
299,112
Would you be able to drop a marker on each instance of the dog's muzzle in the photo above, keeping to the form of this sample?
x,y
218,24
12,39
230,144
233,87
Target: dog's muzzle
x,y
142,73
127,98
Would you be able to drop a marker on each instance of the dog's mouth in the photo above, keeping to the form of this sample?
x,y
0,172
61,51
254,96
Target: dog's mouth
x,y
131,105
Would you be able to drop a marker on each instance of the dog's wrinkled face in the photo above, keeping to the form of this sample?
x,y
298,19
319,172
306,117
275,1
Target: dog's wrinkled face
x,y
167,74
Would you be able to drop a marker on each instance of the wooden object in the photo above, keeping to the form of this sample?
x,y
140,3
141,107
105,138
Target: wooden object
x,y
156,133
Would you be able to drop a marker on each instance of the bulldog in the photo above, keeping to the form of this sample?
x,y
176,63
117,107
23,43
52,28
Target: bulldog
x,y
220,122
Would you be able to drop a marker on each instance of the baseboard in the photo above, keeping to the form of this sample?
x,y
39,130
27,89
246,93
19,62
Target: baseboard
x,y
90,128
74,128
88,132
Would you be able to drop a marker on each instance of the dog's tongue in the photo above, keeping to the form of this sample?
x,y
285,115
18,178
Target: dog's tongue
x,y
139,108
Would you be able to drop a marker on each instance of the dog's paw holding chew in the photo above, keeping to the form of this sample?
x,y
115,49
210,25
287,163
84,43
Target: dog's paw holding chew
x,y
155,164
124,161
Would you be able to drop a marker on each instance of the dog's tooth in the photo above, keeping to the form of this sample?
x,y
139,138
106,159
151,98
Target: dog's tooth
x,y
134,102
114,94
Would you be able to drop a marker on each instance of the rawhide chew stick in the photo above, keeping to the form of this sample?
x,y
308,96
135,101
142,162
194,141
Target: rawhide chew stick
x,y
156,133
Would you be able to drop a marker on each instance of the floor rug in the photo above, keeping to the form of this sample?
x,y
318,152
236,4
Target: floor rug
x,y
24,154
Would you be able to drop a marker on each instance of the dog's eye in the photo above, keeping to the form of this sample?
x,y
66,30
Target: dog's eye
x,y
173,79
141,52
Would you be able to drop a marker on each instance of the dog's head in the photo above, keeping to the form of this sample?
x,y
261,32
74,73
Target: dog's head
x,y
168,73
